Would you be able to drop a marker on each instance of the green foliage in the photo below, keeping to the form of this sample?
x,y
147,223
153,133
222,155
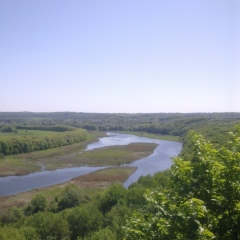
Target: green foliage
x,y
38,204
83,220
54,128
17,143
102,234
175,124
159,180
115,219
203,200
25,233
135,196
116,194
11,215
8,128
69,198
49,225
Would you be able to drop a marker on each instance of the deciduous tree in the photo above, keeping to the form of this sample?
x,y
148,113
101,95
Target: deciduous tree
x,y
203,201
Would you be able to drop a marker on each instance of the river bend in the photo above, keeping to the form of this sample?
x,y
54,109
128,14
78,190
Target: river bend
x,y
159,160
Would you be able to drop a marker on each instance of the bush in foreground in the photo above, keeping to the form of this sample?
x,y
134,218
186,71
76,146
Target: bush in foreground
x,y
203,201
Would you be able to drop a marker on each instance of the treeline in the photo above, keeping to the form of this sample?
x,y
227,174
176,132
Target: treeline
x,y
164,123
54,128
195,199
24,144
176,124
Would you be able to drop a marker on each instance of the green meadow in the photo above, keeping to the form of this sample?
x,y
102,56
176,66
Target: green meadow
x,y
154,136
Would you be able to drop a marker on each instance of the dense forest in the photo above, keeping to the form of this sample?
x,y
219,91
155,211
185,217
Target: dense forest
x,y
198,198
213,126
22,142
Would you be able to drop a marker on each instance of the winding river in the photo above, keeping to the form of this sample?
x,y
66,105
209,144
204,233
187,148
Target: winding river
x,y
159,160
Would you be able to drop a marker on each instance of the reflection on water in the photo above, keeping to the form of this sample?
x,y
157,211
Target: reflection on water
x,y
160,160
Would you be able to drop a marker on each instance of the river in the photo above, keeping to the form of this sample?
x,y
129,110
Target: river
x,y
159,160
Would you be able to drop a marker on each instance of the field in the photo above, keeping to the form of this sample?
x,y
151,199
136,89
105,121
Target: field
x,y
28,133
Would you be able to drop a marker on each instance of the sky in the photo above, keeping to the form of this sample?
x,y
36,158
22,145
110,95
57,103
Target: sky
x,y
120,56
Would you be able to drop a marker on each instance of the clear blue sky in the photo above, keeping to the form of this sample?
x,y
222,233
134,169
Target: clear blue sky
x,y
120,55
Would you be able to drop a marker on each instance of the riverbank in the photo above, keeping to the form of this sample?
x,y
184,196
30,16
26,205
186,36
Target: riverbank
x,y
89,184
154,136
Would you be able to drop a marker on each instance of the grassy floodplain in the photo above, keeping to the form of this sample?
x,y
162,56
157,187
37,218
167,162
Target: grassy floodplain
x,y
25,163
72,156
154,136
116,155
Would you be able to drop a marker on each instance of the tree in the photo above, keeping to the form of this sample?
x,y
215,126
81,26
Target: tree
x,y
38,204
114,195
8,128
25,233
49,225
83,221
115,219
11,215
102,234
203,201
69,198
